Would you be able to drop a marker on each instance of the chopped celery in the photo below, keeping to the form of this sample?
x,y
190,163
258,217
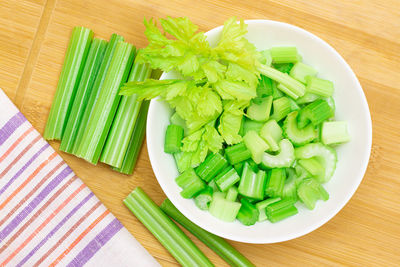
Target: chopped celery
x,y
136,141
293,105
237,153
213,185
264,87
248,213
226,178
266,57
224,209
276,93
216,243
98,83
183,160
280,210
284,67
319,86
213,164
173,139
204,197
256,145
68,82
306,98
331,103
262,205
301,71
190,183
284,158
287,91
239,167
271,132
165,230
324,154
316,112
94,138
253,165
92,65
312,165
232,193
260,111
298,136
309,191
296,87
250,125
334,132
284,54
275,182
299,172
290,188
124,122
252,184
282,107
177,120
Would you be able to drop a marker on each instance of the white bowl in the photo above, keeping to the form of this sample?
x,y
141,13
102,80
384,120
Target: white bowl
x,y
351,105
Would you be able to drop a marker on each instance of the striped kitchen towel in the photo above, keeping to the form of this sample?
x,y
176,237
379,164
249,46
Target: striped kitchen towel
x,y
48,216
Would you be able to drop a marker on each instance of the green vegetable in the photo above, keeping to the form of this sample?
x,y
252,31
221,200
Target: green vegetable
x,y
309,191
250,125
301,71
167,232
284,54
290,186
334,132
237,153
217,244
239,167
252,184
211,167
284,158
190,183
232,193
224,209
312,165
271,132
248,213
68,82
316,112
256,145
262,205
226,178
280,210
204,197
284,67
307,98
177,120
92,65
298,136
319,86
260,111
183,161
275,182
264,88
173,139
253,165
106,105
282,107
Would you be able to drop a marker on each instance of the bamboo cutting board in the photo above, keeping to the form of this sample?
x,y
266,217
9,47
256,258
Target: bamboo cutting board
x,y
33,40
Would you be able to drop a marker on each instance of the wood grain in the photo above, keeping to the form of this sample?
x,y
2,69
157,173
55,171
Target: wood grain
x,y
365,233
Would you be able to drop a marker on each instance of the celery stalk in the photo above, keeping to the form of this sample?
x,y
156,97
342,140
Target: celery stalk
x,y
68,82
165,230
92,65
106,105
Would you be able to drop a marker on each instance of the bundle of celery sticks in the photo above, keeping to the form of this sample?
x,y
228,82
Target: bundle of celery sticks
x,y
88,115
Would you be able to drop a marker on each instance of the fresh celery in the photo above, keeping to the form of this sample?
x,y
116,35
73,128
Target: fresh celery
x,y
248,213
290,188
264,87
165,230
106,105
284,158
217,244
68,82
256,145
282,107
284,54
271,132
173,139
316,112
177,120
301,71
280,210
232,193
260,111
334,132
190,183
275,182
252,184
226,178
284,67
287,91
262,205
224,209
98,83
250,125
239,167
124,122
252,165
298,136
183,161
312,165
319,86
237,153
203,198
309,191
307,98
214,186
92,65
213,164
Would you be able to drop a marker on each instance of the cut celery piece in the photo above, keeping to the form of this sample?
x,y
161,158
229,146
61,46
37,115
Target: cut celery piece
x,y
250,125
275,182
290,186
287,91
284,67
183,160
232,193
276,93
300,71
203,198
280,210
271,132
312,165
256,145
177,120
248,213
307,98
284,54
319,86
298,136
190,183
334,132
296,87
316,112
224,209
213,164
293,105
253,165
266,57
264,87
282,107
262,205
309,191
252,184
284,158
173,139
237,153
324,154
68,82
261,110
239,167
226,178
214,186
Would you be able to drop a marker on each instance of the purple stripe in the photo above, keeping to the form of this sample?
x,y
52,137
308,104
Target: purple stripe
x,y
34,203
10,126
2,190
96,244
58,226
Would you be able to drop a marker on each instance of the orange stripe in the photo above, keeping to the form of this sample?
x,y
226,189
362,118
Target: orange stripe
x,y
38,169
80,237
11,148
12,164
52,215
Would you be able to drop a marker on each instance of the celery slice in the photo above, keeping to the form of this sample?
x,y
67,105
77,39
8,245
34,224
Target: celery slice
x,y
301,71
260,111
275,182
319,86
190,183
307,98
232,193
282,107
284,158
98,83
204,197
248,213
226,179
271,132
213,164
284,54
309,191
316,112
281,210
290,186
173,139
92,65
68,82
298,136
252,184
250,125
106,105
256,145
262,205
237,153
224,209
177,120
312,165
183,160
334,132
165,230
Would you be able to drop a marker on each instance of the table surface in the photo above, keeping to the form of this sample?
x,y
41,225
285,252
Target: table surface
x,y
33,40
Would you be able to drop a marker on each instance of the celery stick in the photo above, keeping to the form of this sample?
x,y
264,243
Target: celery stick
x,y
232,193
227,178
252,184
135,142
275,182
124,121
173,139
98,83
248,213
309,191
301,71
68,82
165,230
316,112
106,105
237,153
92,65
319,86
190,183
284,54
223,209
262,205
204,197
256,145
213,164
334,132
216,243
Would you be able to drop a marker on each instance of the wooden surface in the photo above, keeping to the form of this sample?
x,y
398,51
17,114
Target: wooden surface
x,y
33,39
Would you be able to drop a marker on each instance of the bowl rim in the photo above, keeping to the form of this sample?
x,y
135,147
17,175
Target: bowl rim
x,y
339,206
